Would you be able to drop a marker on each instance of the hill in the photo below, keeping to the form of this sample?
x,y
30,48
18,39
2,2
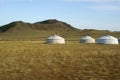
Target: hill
x,y
20,30
20,26
17,26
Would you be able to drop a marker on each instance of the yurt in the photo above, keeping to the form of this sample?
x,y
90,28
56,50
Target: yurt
x,y
87,39
119,40
107,40
55,39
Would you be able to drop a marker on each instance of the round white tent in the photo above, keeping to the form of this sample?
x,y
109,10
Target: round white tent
x,y
87,39
55,39
119,40
107,40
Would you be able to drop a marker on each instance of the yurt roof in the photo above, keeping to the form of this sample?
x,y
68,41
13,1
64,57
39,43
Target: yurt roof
x,y
107,37
55,37
87,37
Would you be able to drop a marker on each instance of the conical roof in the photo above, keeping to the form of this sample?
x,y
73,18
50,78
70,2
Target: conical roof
x,y
107,37
87,37
55,37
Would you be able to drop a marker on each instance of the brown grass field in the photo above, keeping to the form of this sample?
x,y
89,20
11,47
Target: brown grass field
x,y
34,60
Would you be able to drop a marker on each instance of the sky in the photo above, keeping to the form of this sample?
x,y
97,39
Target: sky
x,y
82,14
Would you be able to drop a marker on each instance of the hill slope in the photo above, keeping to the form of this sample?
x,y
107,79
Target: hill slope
x,y
19,30
52,24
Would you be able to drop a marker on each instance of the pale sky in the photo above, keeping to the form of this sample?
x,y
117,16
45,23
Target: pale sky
x,y
82,14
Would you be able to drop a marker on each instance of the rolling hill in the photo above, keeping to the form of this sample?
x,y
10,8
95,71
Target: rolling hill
x,y
52,24
20,30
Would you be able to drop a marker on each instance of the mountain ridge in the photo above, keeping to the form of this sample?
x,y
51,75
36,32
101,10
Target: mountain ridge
x,y
19,30
51,24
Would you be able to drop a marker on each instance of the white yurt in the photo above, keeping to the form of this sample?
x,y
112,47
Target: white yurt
x,y
87,39
107,40
55,39
119,40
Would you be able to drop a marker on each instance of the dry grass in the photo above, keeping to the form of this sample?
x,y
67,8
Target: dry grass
x,y
33,60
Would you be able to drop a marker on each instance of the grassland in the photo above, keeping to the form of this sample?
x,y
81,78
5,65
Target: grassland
x,y
34,60
42,35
